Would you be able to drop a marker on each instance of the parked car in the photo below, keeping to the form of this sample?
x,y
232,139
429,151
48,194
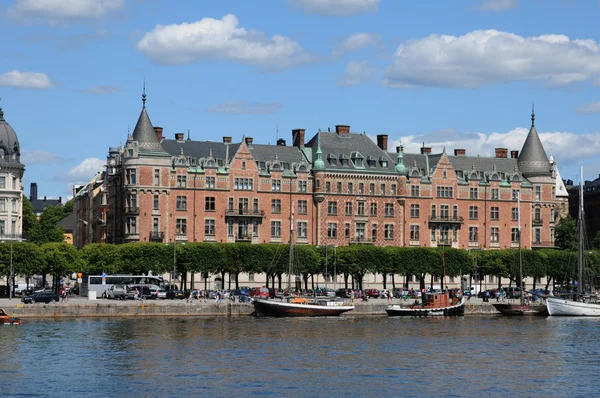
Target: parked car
x,y
399,292
372,293
343,293
158,293
173,292
41,297
116,291
511,292
383,293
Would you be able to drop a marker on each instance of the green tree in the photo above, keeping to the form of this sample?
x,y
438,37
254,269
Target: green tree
x,y
100,257
60,259
566,233
46,229
29,218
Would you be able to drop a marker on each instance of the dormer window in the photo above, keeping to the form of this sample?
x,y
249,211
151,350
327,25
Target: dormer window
x,y
384,163
332,159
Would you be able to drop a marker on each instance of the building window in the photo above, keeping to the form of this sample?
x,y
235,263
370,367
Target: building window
x,y
494,194
382,189
515,194
414,191
209,227
243,165
243,204
209,203
230,227
361,209
514,214
374,232
302,207
331,230
243,184
350,188
432,237
131,225
388,231
156,177
389,210
414,232
393,189
371,189
361,188
494,234
155,203
373,210
255,228
255,204
444,210
181,203
414,211
495,213
181,226
538,192
444,174
328,186
131,201
473,212
444,192
2,227
276,185
473,193
433,211
243,229
537,235
360,230
301,229
129,177
181,181
210,182
302,186
2,204
332,208
347,230
455,212
275,229
348,208
473,234
537,215
276,206
514,235
155,224
339,187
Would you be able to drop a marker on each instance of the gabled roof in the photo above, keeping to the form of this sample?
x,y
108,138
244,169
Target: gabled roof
x,y
68,223
200,149
285,154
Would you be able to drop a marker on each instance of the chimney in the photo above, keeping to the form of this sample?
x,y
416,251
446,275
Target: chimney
x,y
281,142
45,197
298,137
460,152
514,154
425,150
382,141
501,152
158,131
342,129
179,136
60,199
33,191
226,140
249,141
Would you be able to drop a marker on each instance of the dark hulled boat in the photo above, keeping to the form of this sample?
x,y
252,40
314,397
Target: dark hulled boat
x,y
301,307
437,304
521,309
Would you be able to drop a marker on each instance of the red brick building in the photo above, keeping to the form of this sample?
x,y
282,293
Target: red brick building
x,y
344,188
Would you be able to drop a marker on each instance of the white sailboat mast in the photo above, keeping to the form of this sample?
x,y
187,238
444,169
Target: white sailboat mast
x,y
291,258
520,250
580,235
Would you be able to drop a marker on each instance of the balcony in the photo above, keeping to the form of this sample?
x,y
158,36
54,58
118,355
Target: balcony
x,y
537,221
446,220
243,238
542,244
445,242
360,240
244,213
132,210
157,236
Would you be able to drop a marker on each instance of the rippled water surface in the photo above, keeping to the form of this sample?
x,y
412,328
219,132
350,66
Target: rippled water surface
x,y
348,356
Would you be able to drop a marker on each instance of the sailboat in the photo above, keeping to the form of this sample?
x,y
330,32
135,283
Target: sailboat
x,y
299,306
563,307
511,309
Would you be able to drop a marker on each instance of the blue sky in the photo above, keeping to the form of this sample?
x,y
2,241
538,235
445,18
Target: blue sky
x,y
453,74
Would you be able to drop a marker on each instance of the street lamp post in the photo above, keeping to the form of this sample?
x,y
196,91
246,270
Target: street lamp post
x,y
174,260
11,281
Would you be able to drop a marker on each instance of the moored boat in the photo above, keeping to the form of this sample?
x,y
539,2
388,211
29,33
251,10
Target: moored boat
x,y
521,309
6,319
301,307
437,304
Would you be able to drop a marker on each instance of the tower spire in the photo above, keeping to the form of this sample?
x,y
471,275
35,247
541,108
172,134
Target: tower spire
x,y
532,116
144,95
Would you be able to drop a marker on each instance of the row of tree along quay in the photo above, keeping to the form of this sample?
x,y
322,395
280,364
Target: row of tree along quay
x,y
44,253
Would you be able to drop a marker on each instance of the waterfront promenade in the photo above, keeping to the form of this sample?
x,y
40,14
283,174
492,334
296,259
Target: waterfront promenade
x,y
82,307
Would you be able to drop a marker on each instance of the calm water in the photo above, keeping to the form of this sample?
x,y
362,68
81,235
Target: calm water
x,y
362,356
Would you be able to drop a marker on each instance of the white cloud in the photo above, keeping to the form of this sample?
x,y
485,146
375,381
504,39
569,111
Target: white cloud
x,y
31,157
336,8
85,170
358,41
241,107
485,57
586,109
62,11
101,90
498,5
19,79
357,72
220,40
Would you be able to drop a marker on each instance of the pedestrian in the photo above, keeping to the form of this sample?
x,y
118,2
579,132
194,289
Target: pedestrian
x,y
487,296
389,296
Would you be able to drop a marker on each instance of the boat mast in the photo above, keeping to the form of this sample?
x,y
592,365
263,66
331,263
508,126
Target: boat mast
x,y
580,235
291,257
520,250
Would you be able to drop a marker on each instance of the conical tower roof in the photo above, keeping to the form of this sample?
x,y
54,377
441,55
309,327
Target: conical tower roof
x,y
533,159
144,132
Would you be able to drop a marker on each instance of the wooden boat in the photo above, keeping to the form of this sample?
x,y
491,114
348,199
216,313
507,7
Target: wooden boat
x,y
437,304
581,306
521,309
6,319
299,306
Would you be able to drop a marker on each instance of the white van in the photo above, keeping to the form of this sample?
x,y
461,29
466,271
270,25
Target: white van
x,y
21,287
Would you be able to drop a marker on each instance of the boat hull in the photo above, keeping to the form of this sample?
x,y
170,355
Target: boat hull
x,y
452,310
562,307
518,310
285,309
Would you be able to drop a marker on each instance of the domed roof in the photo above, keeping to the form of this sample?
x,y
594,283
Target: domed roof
x,y
533,159
10,150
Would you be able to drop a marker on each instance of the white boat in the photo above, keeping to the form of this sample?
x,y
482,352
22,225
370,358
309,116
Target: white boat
x,y
564,307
